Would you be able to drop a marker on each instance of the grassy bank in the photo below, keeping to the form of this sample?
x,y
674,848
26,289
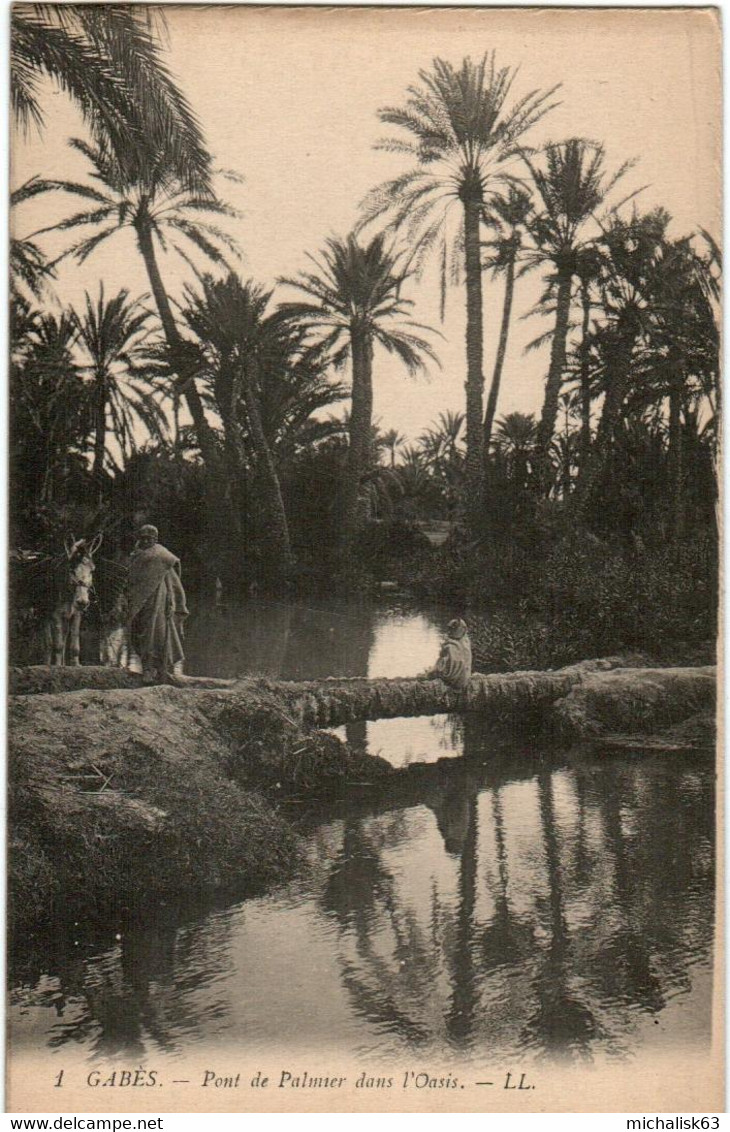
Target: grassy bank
x,y
549,597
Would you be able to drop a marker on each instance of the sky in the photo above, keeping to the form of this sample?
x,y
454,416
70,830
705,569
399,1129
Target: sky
x,y
288,98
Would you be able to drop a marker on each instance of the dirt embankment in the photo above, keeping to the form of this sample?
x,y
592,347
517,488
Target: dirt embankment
x,y
158,789
672,708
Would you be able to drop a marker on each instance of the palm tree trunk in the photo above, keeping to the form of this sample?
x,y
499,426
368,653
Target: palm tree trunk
x,y
203,431
549,416
675,458
585,381
218,517
234,450
612,404
281,562
361,416
176,424
474,358
99,437
490,414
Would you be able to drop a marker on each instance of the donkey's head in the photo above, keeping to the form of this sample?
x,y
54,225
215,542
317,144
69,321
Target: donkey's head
x,y
80,576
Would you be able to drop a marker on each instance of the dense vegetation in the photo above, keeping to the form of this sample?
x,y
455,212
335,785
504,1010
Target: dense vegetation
x,y
586,528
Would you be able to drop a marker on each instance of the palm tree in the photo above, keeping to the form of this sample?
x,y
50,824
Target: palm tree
x,y
107,58
677,359
417,485
443,454
114,335
392,440
159,210
515,440
462,132
588,271
508,214
28,269
356,298
29,274
636,283
49,409
570,189
293,387
442,439
237,340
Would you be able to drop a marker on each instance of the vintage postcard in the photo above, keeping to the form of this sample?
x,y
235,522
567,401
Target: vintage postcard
x,y
364,411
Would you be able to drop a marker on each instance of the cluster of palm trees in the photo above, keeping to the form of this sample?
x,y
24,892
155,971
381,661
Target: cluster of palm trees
x,y
632,309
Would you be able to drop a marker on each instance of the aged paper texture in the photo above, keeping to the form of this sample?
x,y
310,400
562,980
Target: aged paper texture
x,y
364,403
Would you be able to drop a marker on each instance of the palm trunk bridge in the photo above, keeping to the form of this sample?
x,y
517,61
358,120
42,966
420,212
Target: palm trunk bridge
x,y
331,702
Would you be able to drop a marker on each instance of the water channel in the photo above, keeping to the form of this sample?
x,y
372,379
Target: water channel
x,y
503,899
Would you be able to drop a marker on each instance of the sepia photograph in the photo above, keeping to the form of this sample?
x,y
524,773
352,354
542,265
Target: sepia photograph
x,y
364,530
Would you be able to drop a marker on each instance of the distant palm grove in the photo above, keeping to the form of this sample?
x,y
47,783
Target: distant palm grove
x,y
242,417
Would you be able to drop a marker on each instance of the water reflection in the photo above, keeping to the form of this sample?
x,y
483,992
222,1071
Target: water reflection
x,y
561,1021
157,986
515,905
297,641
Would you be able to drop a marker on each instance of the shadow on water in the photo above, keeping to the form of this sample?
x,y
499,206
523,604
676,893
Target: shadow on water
x,y
513,901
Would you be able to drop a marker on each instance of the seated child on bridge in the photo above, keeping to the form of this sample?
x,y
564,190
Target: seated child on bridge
x,y
454,663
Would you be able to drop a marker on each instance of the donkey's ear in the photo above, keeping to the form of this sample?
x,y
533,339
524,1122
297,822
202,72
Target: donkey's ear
x,y
96,543
69,544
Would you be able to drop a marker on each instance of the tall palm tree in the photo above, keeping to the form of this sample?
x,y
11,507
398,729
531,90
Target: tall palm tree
x,y
588,270
570,189
355,300
107,58
50,420
114,336
159,210
507,214
636,289
294,387
462,130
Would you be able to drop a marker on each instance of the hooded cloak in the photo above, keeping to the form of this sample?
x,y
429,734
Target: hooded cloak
x,y
156,595
454,662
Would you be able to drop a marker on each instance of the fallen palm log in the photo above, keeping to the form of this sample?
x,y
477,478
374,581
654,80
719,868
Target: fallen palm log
x,y
596,697
330,702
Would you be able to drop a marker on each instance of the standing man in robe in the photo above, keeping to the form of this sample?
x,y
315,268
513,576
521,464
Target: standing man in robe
x,y
157,607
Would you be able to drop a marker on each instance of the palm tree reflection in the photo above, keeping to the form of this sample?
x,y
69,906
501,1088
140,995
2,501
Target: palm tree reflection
x,y
508,938
460,835
627,973
561,1024
566,973
473,907
141,993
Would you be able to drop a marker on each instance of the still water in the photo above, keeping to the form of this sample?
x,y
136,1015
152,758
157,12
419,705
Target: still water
x,y
515,902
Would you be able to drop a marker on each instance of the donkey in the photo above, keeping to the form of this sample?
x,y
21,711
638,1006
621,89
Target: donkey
x,y
73,584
